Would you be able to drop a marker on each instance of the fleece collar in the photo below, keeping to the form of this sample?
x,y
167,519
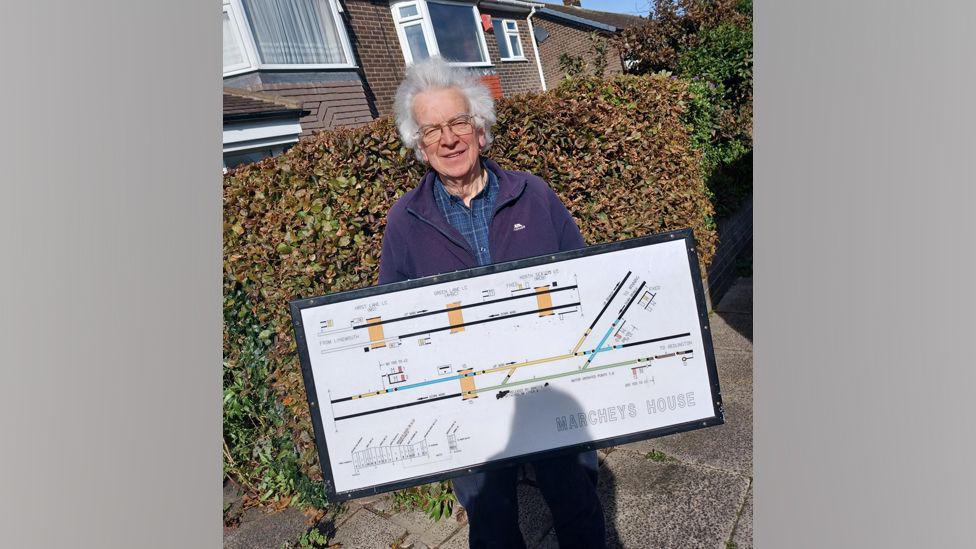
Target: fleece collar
x,y
422,204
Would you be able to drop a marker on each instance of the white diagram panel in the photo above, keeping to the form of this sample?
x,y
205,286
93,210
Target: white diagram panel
x,y
442,378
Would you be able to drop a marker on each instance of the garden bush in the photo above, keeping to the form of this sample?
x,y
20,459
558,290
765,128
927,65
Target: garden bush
x,y
674,26
309,222
708,43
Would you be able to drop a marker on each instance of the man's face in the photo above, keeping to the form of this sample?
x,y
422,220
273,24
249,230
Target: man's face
x,y
454,156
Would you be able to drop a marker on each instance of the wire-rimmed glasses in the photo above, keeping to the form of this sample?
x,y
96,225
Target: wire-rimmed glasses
x,y
462,124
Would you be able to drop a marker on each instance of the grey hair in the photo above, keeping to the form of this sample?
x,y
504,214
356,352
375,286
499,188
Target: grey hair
x,y
436,74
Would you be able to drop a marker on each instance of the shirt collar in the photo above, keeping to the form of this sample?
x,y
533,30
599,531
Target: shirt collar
x,y
422,201
486,192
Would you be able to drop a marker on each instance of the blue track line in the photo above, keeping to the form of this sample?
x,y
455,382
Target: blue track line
x,y
422,383
599,346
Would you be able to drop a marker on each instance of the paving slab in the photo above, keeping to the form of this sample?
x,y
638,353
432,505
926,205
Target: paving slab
x,y
740,322
663,505
267,530
738,299
458,541
734,373
727,447
367,530
535,520
384,505
252,514
731,331
427,530
417,522
343,511
742,537
413,541
367,501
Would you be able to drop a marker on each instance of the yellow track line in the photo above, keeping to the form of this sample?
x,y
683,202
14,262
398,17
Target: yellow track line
x,y
490,370
580,342
510,367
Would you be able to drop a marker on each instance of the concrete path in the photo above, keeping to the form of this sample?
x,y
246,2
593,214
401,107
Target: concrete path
x,y
693,489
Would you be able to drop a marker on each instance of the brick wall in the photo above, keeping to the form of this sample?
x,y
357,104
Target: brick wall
x,y
516,76
377,50
494,85
566,37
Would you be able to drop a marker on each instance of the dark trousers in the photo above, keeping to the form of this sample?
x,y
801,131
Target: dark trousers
x,y
568,484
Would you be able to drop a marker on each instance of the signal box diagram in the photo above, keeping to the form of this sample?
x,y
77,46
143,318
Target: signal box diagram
x,y
432,378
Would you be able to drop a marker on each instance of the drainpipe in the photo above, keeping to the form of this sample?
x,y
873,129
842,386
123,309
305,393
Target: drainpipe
x,y
535,49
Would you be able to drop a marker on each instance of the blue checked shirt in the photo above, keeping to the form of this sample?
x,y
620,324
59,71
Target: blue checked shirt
x,y
471,222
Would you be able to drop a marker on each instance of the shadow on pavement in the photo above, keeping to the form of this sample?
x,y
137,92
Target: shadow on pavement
x,y
557,478
607,493
735,308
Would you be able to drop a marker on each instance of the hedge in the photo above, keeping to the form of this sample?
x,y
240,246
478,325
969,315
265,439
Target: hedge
x,y
310,222
710,44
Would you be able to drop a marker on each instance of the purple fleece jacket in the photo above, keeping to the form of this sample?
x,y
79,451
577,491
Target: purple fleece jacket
x,y
529,220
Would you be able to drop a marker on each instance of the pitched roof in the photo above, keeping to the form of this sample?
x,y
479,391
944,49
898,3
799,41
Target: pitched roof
x,y
244,105
517,3
617,21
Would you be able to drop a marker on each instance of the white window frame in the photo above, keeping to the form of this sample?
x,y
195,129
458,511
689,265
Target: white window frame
x,y
251,51
428,27
236,23
506,33
422,18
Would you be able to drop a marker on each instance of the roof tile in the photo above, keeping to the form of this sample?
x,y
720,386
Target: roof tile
x,y
619,20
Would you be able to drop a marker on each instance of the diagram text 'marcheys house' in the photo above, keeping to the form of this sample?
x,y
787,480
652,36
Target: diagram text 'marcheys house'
x,y
340,61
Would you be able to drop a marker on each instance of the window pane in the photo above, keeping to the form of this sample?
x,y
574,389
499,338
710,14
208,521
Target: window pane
x,y
416,42
510,25
233,55
500,37
456,30
408,11
516,45
294,31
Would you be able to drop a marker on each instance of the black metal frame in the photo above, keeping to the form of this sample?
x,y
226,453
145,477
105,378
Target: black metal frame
x,y
298,305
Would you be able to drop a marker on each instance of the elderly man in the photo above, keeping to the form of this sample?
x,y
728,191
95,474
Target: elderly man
x,y
468,212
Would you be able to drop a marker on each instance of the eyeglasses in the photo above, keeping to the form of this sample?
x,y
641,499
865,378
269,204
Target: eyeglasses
x,y
462,124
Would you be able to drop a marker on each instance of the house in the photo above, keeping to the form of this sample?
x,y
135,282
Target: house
x,y
298,50
567,29
258,125
340,61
